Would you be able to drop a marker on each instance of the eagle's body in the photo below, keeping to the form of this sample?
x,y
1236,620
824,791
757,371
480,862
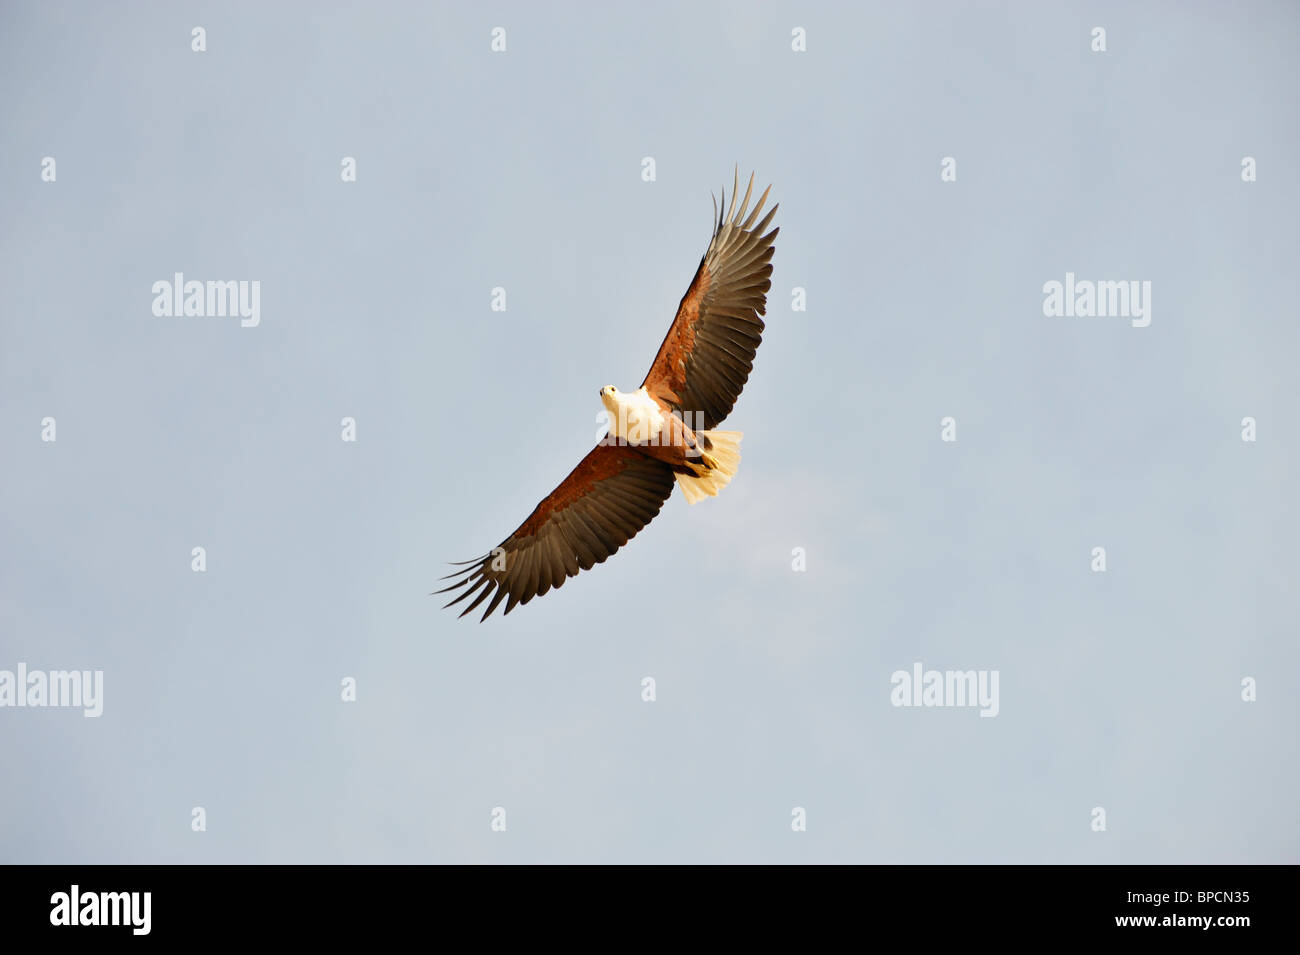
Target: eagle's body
x,y
664,432
703,462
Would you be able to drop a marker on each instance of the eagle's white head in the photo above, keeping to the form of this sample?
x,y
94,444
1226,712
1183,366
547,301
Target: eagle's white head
x,y
609,396
634,417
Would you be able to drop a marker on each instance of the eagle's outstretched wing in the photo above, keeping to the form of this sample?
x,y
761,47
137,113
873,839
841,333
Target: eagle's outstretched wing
x,y
612,493
708,353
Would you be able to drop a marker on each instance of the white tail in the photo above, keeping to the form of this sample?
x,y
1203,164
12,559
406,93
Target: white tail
x,y
717,468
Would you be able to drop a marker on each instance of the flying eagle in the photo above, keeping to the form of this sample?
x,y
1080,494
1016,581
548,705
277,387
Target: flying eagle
x,y
660,433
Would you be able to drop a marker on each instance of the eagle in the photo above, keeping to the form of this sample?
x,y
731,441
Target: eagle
x,y
662,434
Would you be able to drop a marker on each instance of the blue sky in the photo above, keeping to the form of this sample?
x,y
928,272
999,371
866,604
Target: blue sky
x,y
522,170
